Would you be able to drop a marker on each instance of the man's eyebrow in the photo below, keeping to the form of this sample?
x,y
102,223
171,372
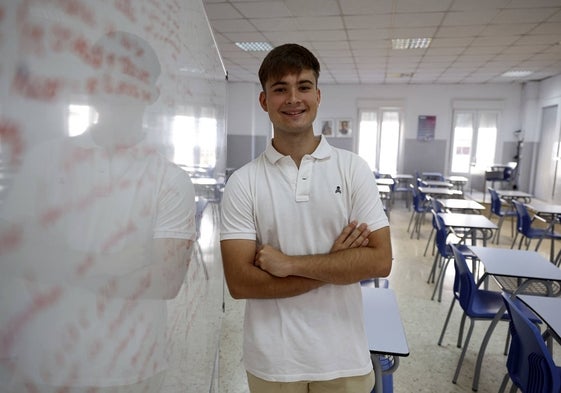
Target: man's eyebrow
x,y
300,82
281,83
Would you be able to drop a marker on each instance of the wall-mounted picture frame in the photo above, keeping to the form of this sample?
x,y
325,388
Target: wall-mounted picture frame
x,y
426,128
344,128
326,126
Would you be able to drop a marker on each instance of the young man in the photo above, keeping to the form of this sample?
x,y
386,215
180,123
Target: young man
x,y
292,246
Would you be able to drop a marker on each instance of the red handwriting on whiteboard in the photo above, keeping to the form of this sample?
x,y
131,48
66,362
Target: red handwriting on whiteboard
x,y
34,86
125,6
10,239
10,135
40,302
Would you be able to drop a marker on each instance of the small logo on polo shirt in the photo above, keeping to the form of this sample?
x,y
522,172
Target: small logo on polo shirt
x,y
338,190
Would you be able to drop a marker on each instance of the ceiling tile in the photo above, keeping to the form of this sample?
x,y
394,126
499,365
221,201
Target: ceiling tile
x,y
474,41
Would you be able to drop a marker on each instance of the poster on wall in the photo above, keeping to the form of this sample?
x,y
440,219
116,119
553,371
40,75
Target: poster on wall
x,y
327,127
344,128
425,129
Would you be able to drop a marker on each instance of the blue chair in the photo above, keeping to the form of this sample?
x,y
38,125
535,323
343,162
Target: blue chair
x,y
477,304
444,239
530,364
436,206
497,210
420,207
525,229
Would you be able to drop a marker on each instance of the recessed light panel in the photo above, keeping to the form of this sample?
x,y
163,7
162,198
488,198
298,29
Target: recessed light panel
x,y
411,43
254,46
516,74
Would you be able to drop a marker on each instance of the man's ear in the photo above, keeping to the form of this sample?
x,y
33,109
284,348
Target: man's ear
x,y
263,100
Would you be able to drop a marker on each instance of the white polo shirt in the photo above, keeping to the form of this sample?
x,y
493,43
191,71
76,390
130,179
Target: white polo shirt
x,y
89,204
318,335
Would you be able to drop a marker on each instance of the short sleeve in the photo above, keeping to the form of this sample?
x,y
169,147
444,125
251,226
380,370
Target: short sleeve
x,y
367,204
176,206
237,221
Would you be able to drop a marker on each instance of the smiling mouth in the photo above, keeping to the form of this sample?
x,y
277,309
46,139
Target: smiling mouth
x,y
294,113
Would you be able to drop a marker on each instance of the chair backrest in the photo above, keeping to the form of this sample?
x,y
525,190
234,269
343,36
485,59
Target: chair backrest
x,y
464,282
529,363
441,234
436,205
523,219
418,199
496,204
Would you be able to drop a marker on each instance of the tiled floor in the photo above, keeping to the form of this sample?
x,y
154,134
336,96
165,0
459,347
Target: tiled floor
x,y
430,367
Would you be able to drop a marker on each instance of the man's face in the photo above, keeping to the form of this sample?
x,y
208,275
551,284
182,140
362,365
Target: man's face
x,y
291,101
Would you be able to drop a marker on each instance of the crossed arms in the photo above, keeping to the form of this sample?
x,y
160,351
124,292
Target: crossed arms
x,y
265,272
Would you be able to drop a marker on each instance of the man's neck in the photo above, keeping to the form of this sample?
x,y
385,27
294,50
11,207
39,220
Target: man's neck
x,y
297,145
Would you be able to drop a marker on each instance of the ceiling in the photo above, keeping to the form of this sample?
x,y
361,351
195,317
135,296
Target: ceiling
x,y
473,41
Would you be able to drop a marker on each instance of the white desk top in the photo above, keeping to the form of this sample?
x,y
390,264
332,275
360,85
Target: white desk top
x,y
513,194
440,191
547,308
457,179
436,183
204,181
385,181
516,263
403,176
461,204
544,208
383,322
384,189
462,220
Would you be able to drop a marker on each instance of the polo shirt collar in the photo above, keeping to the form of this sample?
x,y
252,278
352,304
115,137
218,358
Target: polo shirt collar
x,y
322,151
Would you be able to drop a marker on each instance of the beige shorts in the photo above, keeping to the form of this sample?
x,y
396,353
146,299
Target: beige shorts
x,y
360,384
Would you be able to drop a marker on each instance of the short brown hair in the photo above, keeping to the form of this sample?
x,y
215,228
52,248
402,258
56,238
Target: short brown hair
x,y
287,58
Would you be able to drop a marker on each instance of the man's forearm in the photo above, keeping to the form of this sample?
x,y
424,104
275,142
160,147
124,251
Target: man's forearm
x,y
343,266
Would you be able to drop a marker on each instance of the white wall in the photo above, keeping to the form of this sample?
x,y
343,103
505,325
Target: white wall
x,y
341,101
245,117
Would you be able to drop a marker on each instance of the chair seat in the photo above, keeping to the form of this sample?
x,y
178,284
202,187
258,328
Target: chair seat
x,y
486,304
540,232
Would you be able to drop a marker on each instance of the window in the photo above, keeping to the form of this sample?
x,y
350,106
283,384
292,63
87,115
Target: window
x,y
194,141
474,140
378,140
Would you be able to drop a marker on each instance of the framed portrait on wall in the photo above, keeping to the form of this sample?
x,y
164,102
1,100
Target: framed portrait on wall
x,y
344,128
327,127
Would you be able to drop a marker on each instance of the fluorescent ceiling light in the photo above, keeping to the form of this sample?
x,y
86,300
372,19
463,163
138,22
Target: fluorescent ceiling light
x,y
411,43
516,74
254,46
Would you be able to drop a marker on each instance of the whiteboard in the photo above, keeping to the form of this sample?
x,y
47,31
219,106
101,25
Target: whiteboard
x,y
65,68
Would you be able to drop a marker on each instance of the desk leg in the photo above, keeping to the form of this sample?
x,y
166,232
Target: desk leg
x,y
378,373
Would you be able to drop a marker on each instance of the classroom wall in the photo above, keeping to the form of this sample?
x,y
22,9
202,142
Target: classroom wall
x,y
342,102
